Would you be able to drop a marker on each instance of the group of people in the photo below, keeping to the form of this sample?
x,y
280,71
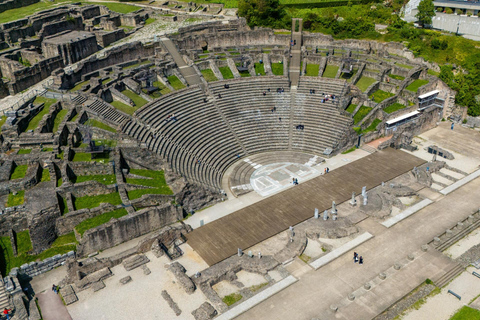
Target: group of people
x,y
357,258
294,181
326,170
171,117
273,109
328,97
55,289
300,127
280,90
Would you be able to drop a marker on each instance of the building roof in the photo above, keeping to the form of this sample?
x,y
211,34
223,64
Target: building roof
x,y
72,36
405,116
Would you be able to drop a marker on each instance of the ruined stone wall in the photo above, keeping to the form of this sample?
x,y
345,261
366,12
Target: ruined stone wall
x,y
52,28
71,51
15,220
13,4
104,39
126,228
42,228
36,268
66,223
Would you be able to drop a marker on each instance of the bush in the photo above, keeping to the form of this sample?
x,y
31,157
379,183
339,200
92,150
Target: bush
x,y
448,11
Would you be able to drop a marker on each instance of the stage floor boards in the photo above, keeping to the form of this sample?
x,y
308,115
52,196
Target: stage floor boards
x,y
246,227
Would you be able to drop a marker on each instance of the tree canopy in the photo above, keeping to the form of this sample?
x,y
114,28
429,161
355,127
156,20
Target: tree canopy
x,y
426,10
269,13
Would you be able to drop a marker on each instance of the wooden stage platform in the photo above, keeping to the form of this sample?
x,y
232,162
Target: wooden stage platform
x,y
244,228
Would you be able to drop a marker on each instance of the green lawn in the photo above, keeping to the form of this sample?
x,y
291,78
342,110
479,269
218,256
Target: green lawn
x,y
66,239
373,126
466,313
330,71
94,201
83,156
74,117
162,87
119,7
100,125
380,95
244,74
139,101
63,206
311,70
364,82
19,172
35,120
99,220
105,179
16,200
415,85
277,68
58,119
79,85
209,75
24,244
361,113
394,107
351,108
24,151
175,83
19,13
106,80
156,182
349,150
433,73
259,69
45,175
226,72
348,76
396,77
149,20
123,107
406,66
136,64
232,298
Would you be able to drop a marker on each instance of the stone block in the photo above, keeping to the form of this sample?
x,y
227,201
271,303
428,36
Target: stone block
x,y
99,285
382,276
397,266
125,280
411,257
367,286
351,297
205,312
425,248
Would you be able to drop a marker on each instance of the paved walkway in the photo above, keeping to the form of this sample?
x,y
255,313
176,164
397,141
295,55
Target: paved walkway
x,y
52,306
187,72
314,293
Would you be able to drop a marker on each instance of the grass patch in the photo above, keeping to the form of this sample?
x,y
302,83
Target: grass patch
x,y
415,85
105,179
257,287
106,80
79,85
349,150
58,119
87,157
123,107
351,108
396,77
330,71
2,122
304,257
311,70
380,95
99,220
35,120
16,200
282,32
163,89
119,7
232,298
136,64
466,313
47,149
19,172
244,74
259,69
394,107
406,66
361,113
100,125
19,13
156,183
433,73
277,68
226,72
373,126
45,175
209,75
94,201
74,118
149,20
175,83
139,101
24,151
63,206
364,82
24,243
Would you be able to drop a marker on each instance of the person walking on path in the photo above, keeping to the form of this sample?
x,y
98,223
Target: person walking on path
x,y
355,257
54,288
6,312
360,260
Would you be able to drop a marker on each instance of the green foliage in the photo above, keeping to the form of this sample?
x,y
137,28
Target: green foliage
x,y
311,70
139,101
175,83
45,175
232,298
349,150
406,66
373,126
277,68
162,87
155,182
269,13
259,69
396,77
428,281
58,119
351,108
394,107
361,113
364,82
24,244
79,85
2,122
149,20
448,10
257,287
99,220
123,107
136,64
226,72
330,71
66,239
426,11
209,75
87,157
119,7
100,125
24,62
94,201
415,85
104,179
380,95
19,172
32,125
63,205
466,313
16,200
24,151
304,257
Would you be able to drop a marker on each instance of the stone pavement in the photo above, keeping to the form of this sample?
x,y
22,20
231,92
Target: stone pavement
x,y
52,306
314,293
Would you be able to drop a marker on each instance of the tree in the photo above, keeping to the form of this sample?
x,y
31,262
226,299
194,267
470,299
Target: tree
x,y
426,10
268,13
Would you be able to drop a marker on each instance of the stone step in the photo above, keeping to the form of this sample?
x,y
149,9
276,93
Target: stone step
x,y
135,261
449,275
444,246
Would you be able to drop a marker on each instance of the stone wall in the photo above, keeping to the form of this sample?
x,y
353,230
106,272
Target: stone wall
x,y
117,231
66,223
42,228
105,38
13,4
36,268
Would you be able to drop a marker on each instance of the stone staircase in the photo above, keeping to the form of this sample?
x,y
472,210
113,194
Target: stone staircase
x,y
368,148
79,99
445,245
454,271
106,111
4,296
135,261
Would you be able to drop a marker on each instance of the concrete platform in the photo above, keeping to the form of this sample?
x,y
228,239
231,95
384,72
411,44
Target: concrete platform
x,y
461,182
406,213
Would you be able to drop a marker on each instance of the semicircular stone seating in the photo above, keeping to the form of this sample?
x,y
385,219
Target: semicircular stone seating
x,y
202,133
